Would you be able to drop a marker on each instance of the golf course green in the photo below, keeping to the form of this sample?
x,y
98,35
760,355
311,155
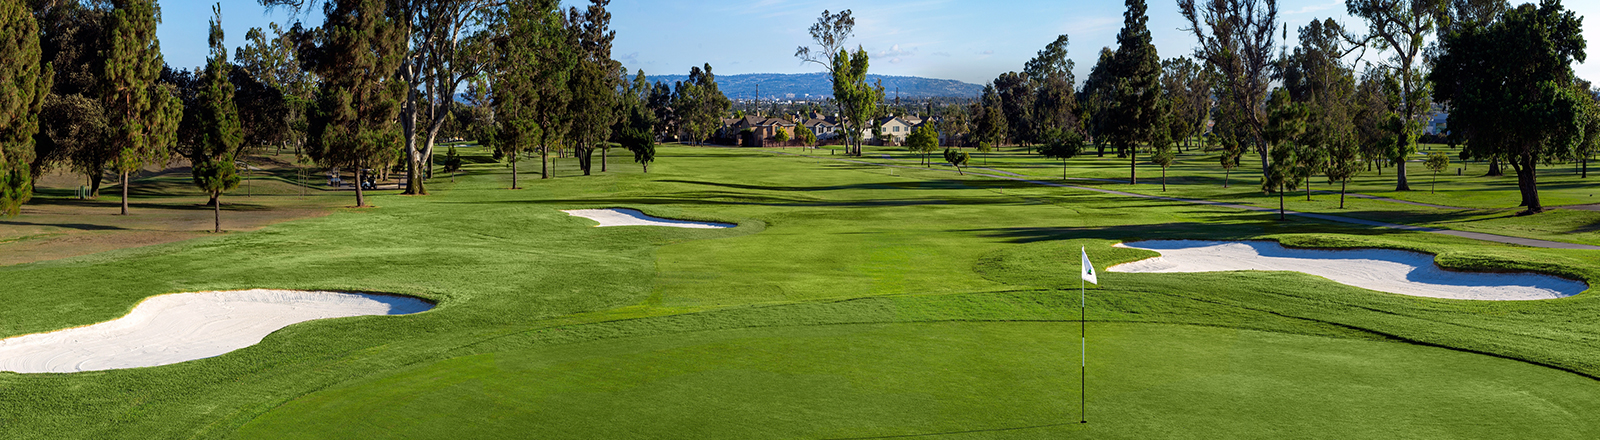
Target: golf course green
x,y
851,301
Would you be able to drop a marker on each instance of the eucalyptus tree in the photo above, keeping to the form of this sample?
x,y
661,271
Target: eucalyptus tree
x,y
858,101
1135,110
1236,41
532,61
1095,100
25,82
1187,89
698,104
1055,103
635,130
143,116
1016,93
1511,88
593,82
271,59
356,53
1316,76
219,132
1404,28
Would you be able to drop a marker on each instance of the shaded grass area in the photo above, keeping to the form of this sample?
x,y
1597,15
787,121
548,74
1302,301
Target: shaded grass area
x,y
828,256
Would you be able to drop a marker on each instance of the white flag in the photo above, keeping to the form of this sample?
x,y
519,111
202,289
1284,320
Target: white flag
x,y
1088,268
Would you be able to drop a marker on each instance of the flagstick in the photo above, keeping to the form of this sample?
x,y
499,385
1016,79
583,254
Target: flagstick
x,y
1083,341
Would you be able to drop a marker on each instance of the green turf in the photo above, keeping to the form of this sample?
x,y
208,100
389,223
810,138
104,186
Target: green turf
x,y
828,256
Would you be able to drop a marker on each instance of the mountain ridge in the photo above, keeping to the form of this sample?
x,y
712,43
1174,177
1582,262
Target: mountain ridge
x,y
817,85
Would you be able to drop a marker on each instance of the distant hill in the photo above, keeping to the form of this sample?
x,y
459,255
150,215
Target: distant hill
x,y
800,85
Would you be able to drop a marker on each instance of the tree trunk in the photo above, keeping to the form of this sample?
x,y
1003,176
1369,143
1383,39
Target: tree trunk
x,y
1226,173
1163,179
408,124
585,158
544,163
1342,186
1308,188
125,182
361,195
1133,167
1400,176
94,183
1528,182
1281,215
1494,167
216,203
514,158
603,152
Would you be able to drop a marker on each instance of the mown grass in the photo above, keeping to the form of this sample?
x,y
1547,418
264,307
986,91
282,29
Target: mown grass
x,y
853,300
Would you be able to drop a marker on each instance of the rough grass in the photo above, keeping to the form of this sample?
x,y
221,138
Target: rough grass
x,y
852,301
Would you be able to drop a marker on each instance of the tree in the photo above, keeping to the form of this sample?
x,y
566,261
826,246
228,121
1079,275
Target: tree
x,y
1236,41
782,137
1511,89
991,126
1402,26
1061,144
829,32
452,162
1437,161
1187,90
143,116
858,101
1232,150
956,158
1285,124
923,140
1135,108
273,62
1016,94
25,82
1316,77
954,124
218,125
698,104
1055,103
531,63
592,82
73,125
805,135
356,53
1161,154
1095,100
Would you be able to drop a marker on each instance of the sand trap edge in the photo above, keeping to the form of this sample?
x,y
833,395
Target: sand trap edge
x,y
609,217
420,305
1431,257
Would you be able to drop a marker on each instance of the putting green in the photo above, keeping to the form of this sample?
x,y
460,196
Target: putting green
x,y
984,379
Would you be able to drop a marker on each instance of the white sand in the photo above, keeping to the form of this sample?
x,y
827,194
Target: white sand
x,y
169,329
632,217
1393,271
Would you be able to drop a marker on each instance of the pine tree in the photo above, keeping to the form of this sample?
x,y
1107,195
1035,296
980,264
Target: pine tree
x,y
1135,107
531,68
356,55
25,82
220,134
143,115
593,81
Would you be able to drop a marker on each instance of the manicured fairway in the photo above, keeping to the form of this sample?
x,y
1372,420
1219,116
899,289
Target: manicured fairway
x,y
994,379
851,300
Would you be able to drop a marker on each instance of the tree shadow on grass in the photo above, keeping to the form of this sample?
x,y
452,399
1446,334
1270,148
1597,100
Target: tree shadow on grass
x,y
78,226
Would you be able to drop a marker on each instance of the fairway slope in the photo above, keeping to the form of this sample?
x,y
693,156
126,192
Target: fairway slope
x,y
168,329
1384,270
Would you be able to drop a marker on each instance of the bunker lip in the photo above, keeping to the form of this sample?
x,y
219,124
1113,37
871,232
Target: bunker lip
x,y
1385,270
633,217
179,327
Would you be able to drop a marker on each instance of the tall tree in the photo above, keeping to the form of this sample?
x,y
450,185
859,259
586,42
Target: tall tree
x,y
1055,103
73,129
923,140
1403,27
593,81
858,101
1061,144
1017,96
25,82
698,104
218,124
1316,76
1286,123
1510,86
1135,109
1095,100
143,115
356,53
1187,89
1236,40
271,60
531,67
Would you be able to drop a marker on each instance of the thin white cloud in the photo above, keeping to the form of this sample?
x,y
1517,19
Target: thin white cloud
x,y
1315,8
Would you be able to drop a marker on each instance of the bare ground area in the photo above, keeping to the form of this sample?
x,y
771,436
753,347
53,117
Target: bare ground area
x,y
164,207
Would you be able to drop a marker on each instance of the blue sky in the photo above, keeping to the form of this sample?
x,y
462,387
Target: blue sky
x,y
967,40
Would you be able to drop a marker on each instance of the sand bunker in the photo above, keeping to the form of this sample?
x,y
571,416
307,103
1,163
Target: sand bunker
x,y
632,217
1393,271
168,329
